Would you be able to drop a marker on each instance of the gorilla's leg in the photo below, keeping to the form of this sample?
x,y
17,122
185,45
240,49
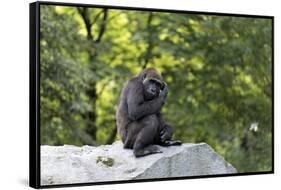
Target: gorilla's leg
x,y
132,130
144,143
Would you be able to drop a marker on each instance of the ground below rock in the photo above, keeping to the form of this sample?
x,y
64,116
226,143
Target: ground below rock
x,y
70,164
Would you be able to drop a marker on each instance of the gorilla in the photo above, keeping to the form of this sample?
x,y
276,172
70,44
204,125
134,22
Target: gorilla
x,y
138,116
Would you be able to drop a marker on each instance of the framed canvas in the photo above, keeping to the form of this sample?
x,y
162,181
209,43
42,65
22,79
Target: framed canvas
x,y
131,94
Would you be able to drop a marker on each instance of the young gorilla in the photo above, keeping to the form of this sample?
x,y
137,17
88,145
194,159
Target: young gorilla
x,y
139,121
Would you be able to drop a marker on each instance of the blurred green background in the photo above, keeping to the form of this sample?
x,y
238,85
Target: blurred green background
x,y
218,69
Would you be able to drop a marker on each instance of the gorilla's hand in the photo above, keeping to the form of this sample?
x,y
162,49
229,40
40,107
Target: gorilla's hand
x,y
164,92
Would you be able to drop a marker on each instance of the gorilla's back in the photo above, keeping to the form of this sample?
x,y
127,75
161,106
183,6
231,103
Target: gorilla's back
x,y
122,113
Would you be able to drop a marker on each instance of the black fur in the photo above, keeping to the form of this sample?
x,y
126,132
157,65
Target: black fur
x,y
138,116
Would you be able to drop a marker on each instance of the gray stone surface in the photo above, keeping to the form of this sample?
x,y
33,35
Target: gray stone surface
x,y
70,164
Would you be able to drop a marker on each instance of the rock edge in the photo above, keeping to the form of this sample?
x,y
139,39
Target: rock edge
x,y
70,164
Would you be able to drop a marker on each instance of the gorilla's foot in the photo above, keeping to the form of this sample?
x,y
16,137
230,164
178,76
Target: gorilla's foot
x,y
151,149
171,143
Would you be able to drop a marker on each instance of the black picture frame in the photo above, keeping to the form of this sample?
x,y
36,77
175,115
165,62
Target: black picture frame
x,y
34,91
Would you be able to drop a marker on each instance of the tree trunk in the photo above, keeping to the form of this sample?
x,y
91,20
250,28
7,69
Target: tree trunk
x,y
148,53
112,136
91,127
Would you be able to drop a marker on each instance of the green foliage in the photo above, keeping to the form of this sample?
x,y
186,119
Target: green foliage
x,y
218,70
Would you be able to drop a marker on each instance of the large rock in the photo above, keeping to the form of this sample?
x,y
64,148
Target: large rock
x,y
71,164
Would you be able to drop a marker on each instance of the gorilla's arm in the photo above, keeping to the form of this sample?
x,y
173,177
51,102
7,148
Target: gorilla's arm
x,y
137,107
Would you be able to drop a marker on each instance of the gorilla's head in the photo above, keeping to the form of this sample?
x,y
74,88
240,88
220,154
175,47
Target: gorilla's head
x,y
153,83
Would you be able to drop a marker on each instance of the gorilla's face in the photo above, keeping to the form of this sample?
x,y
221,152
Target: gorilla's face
x,y
152,88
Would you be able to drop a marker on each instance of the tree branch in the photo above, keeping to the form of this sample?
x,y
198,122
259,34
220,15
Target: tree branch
x,y
103,88
103,26
96,17
147,55
88,24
